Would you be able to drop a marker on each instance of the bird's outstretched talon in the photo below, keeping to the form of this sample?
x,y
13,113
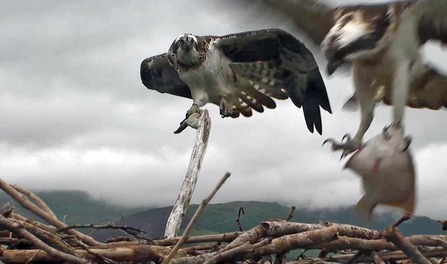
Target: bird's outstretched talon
x,y
192,119
347,137
225,108
348,147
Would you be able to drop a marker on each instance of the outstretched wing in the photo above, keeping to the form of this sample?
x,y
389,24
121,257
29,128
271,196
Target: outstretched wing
x,y
312,17
157,74
429,90
433,20
279,66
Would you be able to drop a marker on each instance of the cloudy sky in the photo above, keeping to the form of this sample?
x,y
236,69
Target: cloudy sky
x,y
74,114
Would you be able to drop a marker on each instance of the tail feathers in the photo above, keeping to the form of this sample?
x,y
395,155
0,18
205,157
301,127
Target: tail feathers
x,y
364,209
351,105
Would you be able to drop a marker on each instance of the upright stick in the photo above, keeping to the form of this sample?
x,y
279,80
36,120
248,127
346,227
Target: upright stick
x,y
189,184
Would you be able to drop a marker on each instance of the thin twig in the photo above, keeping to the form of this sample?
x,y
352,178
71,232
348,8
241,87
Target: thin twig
x,y
129,230
280,257
404,218
194,219
238,218
290,215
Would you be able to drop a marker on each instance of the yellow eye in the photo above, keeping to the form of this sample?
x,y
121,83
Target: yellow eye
x,y
193,43
180,42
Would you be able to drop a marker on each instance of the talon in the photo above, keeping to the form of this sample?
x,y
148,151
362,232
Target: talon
x,y
346,136
331,140
385,134
408,141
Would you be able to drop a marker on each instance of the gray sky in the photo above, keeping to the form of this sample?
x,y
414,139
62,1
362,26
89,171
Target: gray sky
x,y
74,114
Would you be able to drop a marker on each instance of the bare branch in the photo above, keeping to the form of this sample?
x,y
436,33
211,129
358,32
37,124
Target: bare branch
x,y
19,231
36,199
42,214
392,234
289,216
238,218
195,217
128,229
236,251
189,184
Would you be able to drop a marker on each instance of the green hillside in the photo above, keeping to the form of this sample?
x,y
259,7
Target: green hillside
x,y
217,218
78,206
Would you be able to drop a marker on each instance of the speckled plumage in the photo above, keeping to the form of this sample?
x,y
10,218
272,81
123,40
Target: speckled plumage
x,y
240,72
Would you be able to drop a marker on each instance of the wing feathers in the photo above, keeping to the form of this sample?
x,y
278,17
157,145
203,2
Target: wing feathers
x,y
429,90
279,66
157,74
433,22
265,77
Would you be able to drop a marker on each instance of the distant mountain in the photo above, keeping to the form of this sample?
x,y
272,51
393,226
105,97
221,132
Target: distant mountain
x,y
221,218
80,208
77,206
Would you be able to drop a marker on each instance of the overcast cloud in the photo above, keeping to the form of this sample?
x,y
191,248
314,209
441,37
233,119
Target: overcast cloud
x,y
74,114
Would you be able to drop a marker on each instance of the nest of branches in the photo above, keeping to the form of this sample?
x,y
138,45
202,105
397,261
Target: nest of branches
x,y
25,240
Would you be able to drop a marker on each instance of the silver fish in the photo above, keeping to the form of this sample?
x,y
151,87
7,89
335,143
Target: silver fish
x,y
385,165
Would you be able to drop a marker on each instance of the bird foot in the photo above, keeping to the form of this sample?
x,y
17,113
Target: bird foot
x,y
225,108
348,147
192,119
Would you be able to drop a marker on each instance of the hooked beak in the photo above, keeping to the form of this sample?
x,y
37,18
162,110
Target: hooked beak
x,y
187,46
333,65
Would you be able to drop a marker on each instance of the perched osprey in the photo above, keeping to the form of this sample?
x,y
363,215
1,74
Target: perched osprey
x,y
240,72
382,42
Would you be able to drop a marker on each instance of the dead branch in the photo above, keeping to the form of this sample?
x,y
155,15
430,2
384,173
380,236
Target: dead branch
x,y
144,253
404,218
392,234
238,218
128,229
289,216
376,258
236,251
42,214
189,184
48,228
300,240
47,237
19,231
394,255
36,199
280,257
226,237
195,217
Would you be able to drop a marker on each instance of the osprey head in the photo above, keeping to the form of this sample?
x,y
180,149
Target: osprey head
x,y
358,33
184,49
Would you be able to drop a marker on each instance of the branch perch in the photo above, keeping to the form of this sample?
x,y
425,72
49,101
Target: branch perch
x,y
189,184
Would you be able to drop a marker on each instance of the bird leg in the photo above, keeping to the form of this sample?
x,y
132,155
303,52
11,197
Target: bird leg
x,y
192,118
352,144
226,109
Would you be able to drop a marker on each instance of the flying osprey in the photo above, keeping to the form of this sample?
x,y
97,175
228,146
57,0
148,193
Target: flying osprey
x,y
382,42
240,72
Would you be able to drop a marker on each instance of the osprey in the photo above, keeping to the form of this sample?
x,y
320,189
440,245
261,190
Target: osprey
x,y
382,43
240,72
